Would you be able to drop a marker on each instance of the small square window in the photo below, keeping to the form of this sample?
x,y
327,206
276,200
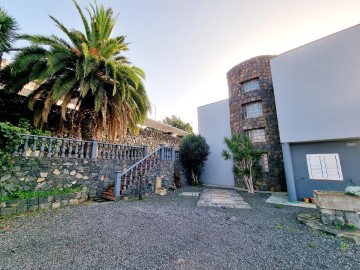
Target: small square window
x,y
252,110
251,85
257,135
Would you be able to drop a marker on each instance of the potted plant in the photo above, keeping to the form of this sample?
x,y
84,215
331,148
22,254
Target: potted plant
x,y
306,200
312,200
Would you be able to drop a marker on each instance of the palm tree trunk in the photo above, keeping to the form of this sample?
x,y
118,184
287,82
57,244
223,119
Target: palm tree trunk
x,y
87,121
1,54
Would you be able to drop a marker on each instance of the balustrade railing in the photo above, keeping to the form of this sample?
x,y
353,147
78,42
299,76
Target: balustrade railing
x,y
177,155
44,146
129,177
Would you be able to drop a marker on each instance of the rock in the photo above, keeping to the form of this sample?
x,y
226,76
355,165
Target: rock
x,y
339,220
86,162
5,177
78,175
86,177
73,172
7,211
45,206
21,208
2,204
326,219
73,201
73,182
67,164
353,219
40,179
56,172
64,202
43,174
30,179
327,212
55,205
22,179
66,171
16,169
102,178
50,199
33,208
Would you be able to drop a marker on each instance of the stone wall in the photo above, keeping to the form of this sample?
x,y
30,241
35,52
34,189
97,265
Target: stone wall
x,y
50,202
257,68
152,138
165,170
32,174
338,208
183,174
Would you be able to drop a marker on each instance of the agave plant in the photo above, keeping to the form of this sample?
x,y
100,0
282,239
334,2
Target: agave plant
x,y
88,71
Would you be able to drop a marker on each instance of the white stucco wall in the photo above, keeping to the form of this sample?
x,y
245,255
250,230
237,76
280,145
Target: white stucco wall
x,y
317,89
214,125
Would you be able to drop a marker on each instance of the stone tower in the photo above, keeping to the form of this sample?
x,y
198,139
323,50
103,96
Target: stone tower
x,y
252,111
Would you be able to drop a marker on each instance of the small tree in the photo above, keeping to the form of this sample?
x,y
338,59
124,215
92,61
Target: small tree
x,y
193,153
175,121
246,158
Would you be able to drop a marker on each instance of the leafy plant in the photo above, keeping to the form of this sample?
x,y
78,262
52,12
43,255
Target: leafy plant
x,y
280,227
246,159
344,246
312,244
194,151
21,194
351,227
339,226
9,138
278,206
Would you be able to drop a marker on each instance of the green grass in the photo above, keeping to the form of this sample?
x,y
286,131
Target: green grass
x,y
344,246
351,227
280,227
278,206
312,245
27,195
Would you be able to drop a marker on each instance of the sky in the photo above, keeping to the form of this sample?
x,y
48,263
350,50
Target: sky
x,y
187,46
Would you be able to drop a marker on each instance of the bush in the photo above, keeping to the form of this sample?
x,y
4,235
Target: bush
x,y
194,151
9,138
245,157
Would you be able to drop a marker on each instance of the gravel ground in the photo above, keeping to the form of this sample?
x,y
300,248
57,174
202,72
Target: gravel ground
x,y
170,232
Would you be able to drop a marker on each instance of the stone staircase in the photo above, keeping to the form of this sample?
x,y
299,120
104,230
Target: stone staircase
x,y
128,180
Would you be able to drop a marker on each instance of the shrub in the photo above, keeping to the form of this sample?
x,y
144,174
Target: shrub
x,y
9,138
194,151
246,158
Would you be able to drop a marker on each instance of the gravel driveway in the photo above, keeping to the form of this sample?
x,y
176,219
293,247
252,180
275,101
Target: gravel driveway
x,y
170,232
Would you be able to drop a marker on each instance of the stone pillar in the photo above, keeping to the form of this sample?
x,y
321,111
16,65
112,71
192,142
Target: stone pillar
x,y
94,149
162,152
117,184
172,152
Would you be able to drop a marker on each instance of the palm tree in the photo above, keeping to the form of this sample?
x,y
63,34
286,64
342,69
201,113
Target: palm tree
x,y
89,71
8,29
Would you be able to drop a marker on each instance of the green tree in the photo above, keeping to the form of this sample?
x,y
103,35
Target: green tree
x,y
193,153
175,121
87,70
246,159
8,27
